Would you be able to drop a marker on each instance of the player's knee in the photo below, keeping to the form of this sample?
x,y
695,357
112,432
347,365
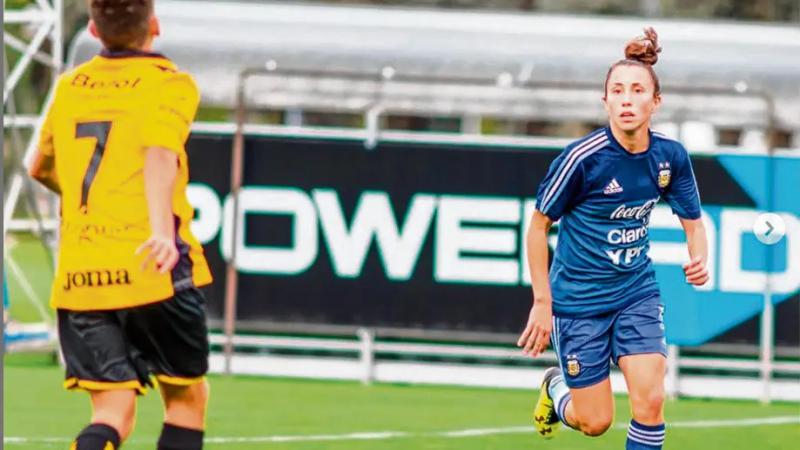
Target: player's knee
x,y
649,406
597,425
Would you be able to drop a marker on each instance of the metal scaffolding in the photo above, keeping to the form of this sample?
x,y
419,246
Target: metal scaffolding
x,y
41,23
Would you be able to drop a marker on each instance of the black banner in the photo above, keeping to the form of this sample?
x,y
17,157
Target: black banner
x,y
444,190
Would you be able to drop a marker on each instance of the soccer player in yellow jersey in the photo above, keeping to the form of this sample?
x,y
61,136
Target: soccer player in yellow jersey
x,y
126,288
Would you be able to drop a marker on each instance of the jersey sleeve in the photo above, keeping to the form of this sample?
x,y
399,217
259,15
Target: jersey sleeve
x,y
682,194
170,114
562,186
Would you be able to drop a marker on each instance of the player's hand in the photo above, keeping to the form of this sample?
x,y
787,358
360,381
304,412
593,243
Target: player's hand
x,y
162,251
536,337
696,272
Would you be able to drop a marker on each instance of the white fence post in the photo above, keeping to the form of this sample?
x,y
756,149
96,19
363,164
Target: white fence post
x,y
367,339
767,342
673,372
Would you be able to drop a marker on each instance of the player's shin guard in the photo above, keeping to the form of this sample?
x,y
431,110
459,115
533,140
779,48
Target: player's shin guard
x,y
97,436
645,437
559,392
174,437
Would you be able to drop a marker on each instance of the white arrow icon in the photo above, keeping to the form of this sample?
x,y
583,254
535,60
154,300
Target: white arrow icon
x,y
769,228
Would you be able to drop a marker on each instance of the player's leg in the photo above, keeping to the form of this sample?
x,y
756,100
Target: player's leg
x,y
113,413
592,408
97,360
640,350
580,390
184,416
644,375
173,337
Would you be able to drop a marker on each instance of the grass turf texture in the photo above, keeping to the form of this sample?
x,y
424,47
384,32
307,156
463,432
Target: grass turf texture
x,y
34,263
37,407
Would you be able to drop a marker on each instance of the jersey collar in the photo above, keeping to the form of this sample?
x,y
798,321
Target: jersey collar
x,y
117,54
614,143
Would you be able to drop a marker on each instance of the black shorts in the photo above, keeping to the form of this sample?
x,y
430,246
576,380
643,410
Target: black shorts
x,y
122,349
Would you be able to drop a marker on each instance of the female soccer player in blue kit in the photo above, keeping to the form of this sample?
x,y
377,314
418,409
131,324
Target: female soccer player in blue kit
x,y
601,301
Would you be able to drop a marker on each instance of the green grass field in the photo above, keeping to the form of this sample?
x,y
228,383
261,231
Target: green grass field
x,y
29,274
269,413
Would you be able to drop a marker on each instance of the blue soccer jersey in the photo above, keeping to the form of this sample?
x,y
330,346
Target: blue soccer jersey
x,y
603,196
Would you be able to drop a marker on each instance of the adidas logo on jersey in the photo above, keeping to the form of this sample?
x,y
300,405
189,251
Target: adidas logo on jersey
x,y
613,187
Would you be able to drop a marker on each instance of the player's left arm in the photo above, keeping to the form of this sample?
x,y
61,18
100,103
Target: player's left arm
x,y
43,169
684,198
696,270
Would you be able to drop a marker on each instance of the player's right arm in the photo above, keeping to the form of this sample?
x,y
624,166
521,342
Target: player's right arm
x,y
42,167
164,133
160,172
560,189
538,255
536,335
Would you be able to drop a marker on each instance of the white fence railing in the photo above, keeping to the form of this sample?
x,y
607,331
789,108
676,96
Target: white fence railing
x,y
368,360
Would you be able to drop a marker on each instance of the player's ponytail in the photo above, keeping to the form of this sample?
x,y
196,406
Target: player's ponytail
x,y
641,51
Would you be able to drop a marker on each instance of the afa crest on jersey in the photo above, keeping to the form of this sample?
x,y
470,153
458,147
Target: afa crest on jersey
x,y
664,174
573,366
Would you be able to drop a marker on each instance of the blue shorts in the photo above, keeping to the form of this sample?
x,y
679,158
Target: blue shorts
x,y
584,346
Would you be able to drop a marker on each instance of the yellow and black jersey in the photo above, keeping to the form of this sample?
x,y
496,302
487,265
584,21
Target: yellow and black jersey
x,y
104,114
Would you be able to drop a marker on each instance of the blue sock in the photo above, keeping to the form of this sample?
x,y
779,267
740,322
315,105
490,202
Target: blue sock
x,y
559,392
645,437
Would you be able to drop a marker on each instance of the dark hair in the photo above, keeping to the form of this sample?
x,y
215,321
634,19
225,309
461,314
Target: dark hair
x,y
643,52
121,24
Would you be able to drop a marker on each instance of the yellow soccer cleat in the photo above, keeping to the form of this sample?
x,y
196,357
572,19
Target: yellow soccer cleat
x,y
544,414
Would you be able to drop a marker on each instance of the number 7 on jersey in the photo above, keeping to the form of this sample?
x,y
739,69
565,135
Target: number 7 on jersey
x,y
99,131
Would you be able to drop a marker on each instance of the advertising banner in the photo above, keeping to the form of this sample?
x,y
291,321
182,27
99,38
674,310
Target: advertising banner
x,y
430,235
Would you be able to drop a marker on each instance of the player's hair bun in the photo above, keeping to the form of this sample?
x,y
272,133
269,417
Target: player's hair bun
x,y
644,48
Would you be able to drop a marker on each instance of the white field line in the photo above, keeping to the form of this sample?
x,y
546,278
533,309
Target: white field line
x,y
385,435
